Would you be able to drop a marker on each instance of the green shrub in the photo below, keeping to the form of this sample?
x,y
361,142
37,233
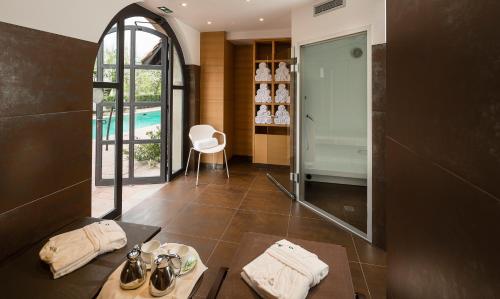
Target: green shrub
x,y
150,152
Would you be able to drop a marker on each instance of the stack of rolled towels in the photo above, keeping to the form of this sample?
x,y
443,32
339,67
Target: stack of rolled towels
x,y
263,94
69,251
282,95
284,270
282,117
263,116
282,72
263,73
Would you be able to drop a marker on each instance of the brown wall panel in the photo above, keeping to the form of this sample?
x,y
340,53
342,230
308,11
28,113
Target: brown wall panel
x,y
45,133
442,231
443,145
445,98
28,224
43,72
379,74
42,154
229,97
243,100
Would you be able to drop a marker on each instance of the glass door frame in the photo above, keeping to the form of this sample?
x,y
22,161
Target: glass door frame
x,y
135,10
299,183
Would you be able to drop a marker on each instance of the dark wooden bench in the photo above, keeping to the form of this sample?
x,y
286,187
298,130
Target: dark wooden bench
x,y
338,283
24,275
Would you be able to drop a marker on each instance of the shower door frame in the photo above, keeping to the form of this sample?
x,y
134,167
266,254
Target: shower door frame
x,y
299,184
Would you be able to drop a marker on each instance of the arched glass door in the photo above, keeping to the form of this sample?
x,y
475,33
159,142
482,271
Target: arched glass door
x,y
138,119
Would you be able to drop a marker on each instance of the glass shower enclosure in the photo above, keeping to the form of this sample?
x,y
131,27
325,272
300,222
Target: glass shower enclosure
x,y
334,121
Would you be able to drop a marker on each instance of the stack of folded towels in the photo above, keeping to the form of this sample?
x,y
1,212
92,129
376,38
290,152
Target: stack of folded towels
x,y
284,270
72,250
282,117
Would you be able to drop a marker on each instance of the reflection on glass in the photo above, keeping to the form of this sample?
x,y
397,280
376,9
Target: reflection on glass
x,y
108,161
126,50
148,123
109,49
147,160
147,85
177,129
147,48
126,85
109,75
177,75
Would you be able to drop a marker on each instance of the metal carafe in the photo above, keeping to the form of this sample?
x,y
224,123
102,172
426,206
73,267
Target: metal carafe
x,y
162,279
134,271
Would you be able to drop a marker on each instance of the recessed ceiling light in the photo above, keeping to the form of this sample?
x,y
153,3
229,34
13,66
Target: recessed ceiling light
x,y
248,0
209,22
184,4
261,19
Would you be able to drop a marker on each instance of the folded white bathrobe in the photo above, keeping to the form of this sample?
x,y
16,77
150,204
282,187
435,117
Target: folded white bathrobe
x,y
72,250
284,270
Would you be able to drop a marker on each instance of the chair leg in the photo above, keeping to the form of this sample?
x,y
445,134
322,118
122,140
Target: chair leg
x,y
227,167
198,172
187,165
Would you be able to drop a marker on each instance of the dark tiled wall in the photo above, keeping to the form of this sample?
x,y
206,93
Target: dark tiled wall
x,y
378,142
45,133
443,149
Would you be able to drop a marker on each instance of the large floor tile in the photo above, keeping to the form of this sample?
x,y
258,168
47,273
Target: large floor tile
x,y
221,196
262,183
376,280
222,255
370,254
235,180
201,220
242,222
267,201
322,231
358,279
154,211
299,210
204,247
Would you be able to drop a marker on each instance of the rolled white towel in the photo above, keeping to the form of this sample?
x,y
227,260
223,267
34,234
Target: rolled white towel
x,y
72,250
205,143
284,270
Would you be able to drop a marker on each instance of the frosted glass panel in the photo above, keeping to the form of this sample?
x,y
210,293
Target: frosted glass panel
x,y
177,129
334,126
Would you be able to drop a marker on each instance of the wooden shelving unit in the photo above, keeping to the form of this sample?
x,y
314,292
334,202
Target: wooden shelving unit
x,y
271,141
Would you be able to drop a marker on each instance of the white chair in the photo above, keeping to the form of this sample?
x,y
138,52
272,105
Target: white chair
x,y
203,132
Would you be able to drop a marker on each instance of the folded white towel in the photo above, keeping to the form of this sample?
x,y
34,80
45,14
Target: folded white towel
x,y
284,270
72,250
205,143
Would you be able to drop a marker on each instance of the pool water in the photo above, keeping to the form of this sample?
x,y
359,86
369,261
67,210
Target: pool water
x,y
142,120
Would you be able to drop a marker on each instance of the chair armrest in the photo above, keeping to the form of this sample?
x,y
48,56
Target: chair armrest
x,y
214,290
223,135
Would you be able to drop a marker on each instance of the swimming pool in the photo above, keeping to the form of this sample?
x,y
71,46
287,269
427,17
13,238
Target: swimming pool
x,y
142,120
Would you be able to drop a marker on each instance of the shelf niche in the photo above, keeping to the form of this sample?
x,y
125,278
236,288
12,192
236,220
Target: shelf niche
x,y
271,142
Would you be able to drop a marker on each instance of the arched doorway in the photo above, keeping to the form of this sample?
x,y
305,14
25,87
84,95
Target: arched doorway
x,y
139,110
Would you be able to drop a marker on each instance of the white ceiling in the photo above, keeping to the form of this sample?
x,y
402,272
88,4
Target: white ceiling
x,y
230,15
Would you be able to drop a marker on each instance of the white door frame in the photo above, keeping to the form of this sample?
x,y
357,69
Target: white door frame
x,y
298,106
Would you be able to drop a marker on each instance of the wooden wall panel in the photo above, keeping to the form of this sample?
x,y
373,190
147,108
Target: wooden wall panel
x,y
243,100
216,87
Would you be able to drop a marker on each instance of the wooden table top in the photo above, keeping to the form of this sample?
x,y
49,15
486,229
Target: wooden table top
x,y
26,276
337,284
